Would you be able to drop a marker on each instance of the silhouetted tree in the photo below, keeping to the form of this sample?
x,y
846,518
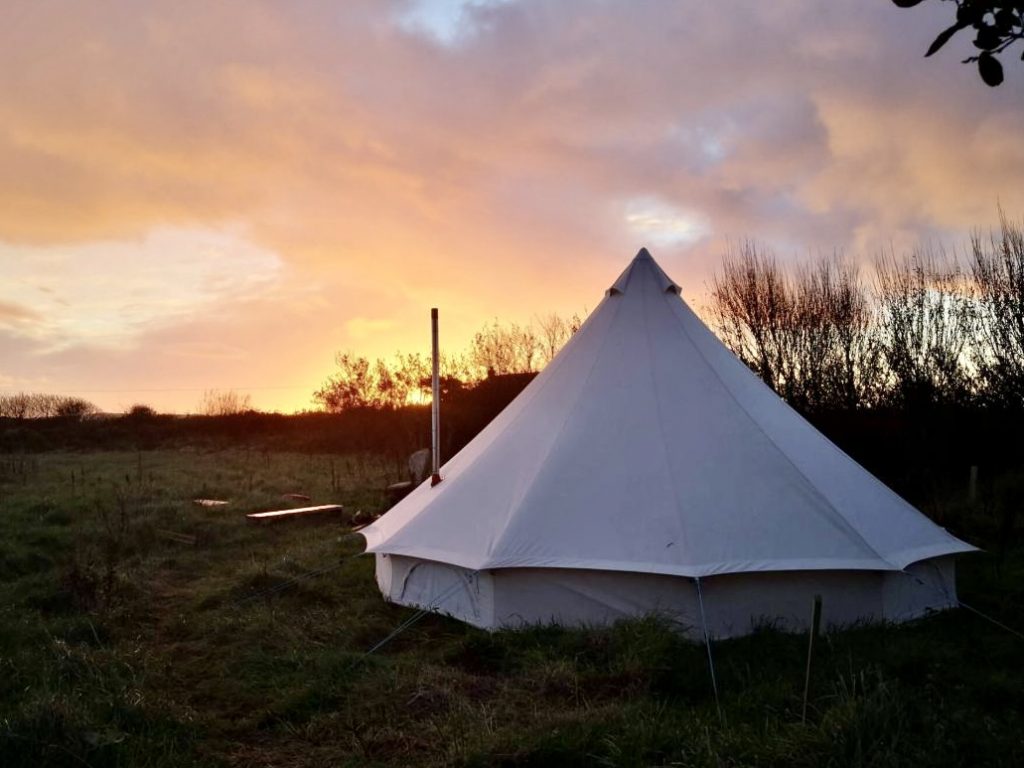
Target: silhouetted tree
x,y
810,336
14,406
499,349
996,24
998,271
754,313
553,332
838,358
73,408
495,350
226,402
926,323
414,371
360,383
352,386
42,406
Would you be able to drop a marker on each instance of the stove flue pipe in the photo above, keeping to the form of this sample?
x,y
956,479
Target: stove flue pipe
x,y
435,406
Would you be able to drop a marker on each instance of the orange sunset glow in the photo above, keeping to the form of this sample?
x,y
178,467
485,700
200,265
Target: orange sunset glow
x,y
200,195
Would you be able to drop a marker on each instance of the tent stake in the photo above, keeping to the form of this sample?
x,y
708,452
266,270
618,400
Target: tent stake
x,y
815,627
707,644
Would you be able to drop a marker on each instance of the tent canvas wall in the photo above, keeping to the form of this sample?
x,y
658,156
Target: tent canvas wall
x,y
646,457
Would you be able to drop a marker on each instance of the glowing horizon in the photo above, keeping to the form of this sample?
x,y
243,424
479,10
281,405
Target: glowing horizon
x,y
199,198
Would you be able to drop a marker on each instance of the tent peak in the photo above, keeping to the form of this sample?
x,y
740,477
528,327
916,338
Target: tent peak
x,y
643,264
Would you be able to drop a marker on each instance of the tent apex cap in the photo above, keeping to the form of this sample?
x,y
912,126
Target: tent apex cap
x,y
645,265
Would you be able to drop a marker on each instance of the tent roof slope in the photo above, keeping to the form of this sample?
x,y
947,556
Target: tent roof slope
x,y
646,445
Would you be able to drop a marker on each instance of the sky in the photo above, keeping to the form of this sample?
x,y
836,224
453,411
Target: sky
x,y
223,194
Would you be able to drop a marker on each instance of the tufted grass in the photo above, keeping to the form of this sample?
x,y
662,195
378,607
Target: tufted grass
x,y
120,646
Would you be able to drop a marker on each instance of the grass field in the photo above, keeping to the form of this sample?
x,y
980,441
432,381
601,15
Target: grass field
x,y
124,643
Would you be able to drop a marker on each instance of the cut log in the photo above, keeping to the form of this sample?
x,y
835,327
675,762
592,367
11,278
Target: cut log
x,y
280,515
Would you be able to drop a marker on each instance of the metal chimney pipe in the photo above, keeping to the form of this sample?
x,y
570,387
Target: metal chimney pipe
x,y
435,408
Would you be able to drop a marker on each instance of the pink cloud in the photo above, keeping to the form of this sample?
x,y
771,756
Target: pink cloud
x,y
496,171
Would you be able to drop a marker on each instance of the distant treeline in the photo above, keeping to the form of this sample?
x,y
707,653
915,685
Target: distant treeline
x,y
390,431
41,406
35,405
922,454
495,350
926,329
917,371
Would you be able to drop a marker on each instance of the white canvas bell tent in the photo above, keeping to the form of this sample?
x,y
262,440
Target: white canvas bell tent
x,y
647,466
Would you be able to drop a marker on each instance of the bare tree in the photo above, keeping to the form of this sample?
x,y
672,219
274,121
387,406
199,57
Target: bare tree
x,y
809,333
42,406
224,402
352,386
926,321
754,313
14,406
998,271
405,380
500,349
492,350
414,371
528,346
391,390
839,356
553,333
73,408
455,367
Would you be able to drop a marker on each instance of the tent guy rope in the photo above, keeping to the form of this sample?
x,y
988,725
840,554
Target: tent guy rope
x,y
707,644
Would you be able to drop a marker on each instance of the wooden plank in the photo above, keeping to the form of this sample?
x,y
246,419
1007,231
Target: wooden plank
x,y
278,515
295,497
210,502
